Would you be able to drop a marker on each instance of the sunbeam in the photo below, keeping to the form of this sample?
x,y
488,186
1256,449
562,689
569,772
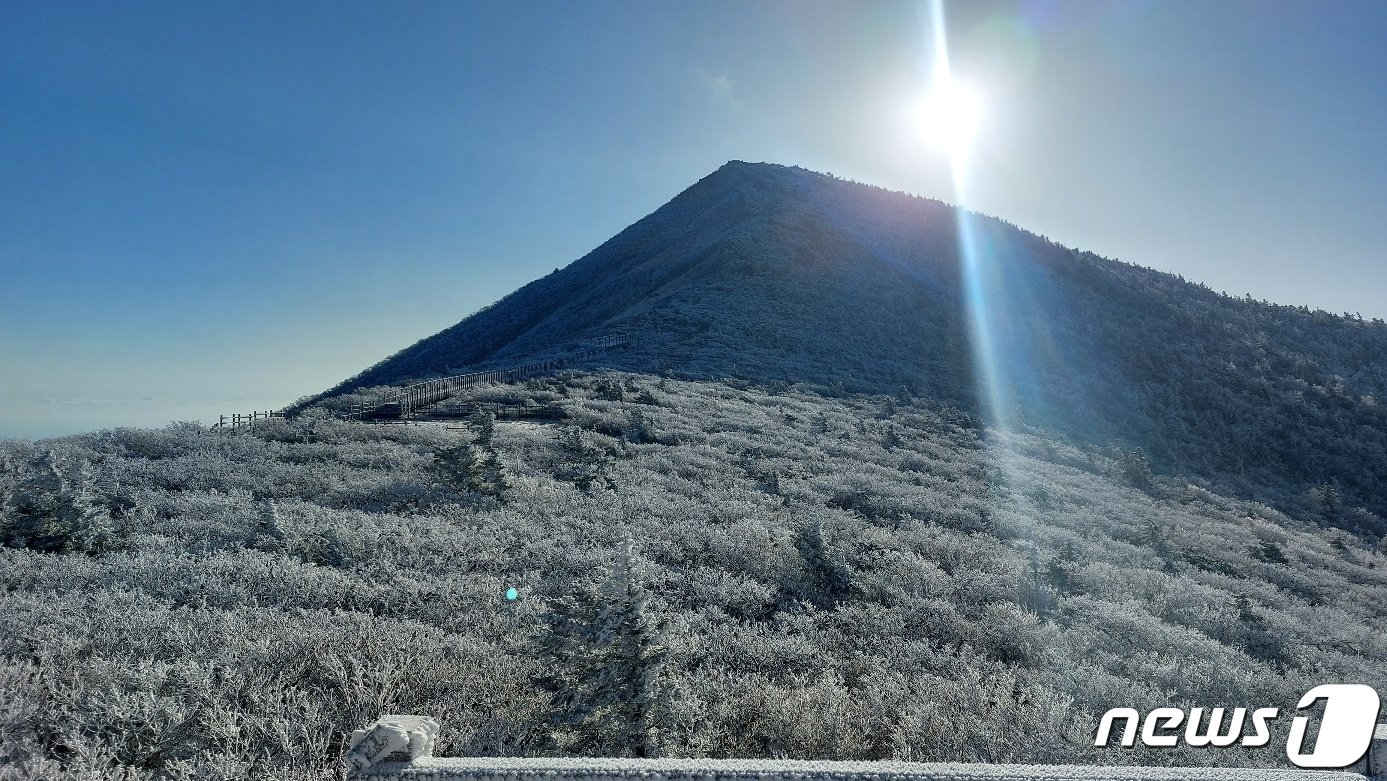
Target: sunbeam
x,y
955,113
986,299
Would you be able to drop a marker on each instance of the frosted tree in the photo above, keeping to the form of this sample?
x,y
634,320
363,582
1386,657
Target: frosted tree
x,y
484,424
86,523
489,477
1330,505
56,512
605,667
829,581
325,549
474,467
269,534
637,428
1137,468
32,507
456,464
582,464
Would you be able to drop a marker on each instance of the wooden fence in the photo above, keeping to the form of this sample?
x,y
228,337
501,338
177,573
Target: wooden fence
x,y
497,410
407,401
247,419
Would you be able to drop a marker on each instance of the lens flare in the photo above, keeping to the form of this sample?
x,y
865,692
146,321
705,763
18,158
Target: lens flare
x,y
948,117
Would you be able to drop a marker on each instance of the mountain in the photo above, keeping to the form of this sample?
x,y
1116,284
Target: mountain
x,y
781,275
701,569
832,549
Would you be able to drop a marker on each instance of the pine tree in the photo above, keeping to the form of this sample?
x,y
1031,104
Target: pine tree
x,y
32,508
86,523
1156,541
484,424
1330,505
829,582
57,510
1137,468
326,550
488,476
473,467
269,534
892,438
637,428
1270,552
605,667
571,442
582,464
458,464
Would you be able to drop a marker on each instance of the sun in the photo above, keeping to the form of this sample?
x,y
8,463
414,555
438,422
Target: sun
x,y
948,118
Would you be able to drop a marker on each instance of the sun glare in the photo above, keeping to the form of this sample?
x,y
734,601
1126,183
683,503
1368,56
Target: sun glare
x,y
948,117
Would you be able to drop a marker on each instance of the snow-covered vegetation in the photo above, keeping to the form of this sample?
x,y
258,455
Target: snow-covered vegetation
x,y
703,568
779,274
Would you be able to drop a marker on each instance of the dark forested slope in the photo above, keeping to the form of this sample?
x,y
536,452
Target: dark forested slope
x,y
778,274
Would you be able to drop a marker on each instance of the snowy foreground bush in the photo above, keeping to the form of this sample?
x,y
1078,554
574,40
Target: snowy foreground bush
x,y
701,569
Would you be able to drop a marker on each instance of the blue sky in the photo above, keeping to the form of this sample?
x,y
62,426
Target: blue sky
x,y
209,207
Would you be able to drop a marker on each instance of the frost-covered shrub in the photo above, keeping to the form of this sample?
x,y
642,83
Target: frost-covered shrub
x,y
818,591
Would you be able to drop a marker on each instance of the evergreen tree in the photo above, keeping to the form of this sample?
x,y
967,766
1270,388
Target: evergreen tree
x,y
605,667
474,466
484,424
1137,469
1270,552
328,551
269,535
86,523
1330,505
1156,541
637,428
829,581
571,443
53,512
457,463
582,464
33,507
488,476
892,438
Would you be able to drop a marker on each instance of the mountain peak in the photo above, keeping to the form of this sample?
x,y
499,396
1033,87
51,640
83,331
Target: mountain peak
x,y
777,274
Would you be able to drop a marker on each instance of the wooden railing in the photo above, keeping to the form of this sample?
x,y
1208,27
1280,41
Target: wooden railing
x,y
404,402
238,419
497,410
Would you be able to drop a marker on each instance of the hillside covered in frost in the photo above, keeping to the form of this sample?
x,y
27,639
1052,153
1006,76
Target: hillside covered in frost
x,y
719,569
777,274
781,523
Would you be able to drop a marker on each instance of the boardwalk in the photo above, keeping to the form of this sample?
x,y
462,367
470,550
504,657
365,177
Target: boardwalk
x,y
403,403
407,402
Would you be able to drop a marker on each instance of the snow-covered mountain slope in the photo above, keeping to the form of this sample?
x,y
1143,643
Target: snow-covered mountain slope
x,y
778,274
701,569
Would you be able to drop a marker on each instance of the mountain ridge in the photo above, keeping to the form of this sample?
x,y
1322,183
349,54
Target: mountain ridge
x,y
777,274
787,569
